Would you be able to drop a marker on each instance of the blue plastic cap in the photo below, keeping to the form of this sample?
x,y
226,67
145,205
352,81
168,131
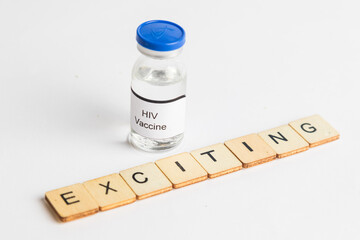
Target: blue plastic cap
x,y
160,35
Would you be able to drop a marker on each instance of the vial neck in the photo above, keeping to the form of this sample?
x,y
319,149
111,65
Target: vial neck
x,y
159,54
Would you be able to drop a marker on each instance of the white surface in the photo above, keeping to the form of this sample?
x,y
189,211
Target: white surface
x,y
65,71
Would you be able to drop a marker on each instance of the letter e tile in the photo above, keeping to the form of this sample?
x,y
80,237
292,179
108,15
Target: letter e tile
x,y
251,149
146,180
217,160
284,140
315,130
182,170
110,191
72,202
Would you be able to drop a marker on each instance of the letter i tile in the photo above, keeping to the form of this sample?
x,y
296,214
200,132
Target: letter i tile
x,y
251,149
315,130
182,170
72,202
284,140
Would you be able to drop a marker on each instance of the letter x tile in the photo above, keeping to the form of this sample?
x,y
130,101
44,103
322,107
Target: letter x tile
x,y
72,202
315,130
110,191
182,170
217,160
146,180
284,140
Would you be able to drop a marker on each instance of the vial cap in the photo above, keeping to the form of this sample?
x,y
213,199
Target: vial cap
x,y
160,35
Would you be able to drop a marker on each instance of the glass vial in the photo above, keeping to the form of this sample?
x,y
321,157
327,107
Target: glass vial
x,y
158,87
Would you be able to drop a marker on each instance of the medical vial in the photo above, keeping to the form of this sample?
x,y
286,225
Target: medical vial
x,y
158,87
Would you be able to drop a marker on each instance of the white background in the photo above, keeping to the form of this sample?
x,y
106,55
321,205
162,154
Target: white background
x,y
65,71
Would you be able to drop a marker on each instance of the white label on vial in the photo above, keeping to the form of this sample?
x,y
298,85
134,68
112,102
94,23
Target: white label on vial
x,y
157,119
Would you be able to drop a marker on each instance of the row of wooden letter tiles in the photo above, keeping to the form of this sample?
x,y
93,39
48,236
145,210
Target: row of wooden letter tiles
x,y
183,169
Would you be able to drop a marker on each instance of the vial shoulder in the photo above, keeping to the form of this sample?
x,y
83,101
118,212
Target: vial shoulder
x,y
160,72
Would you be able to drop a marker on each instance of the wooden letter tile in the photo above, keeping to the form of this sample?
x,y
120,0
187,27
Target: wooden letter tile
x,y
72,202
315,130
284,140
217,160
251,149
110,191
146,180
182,170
